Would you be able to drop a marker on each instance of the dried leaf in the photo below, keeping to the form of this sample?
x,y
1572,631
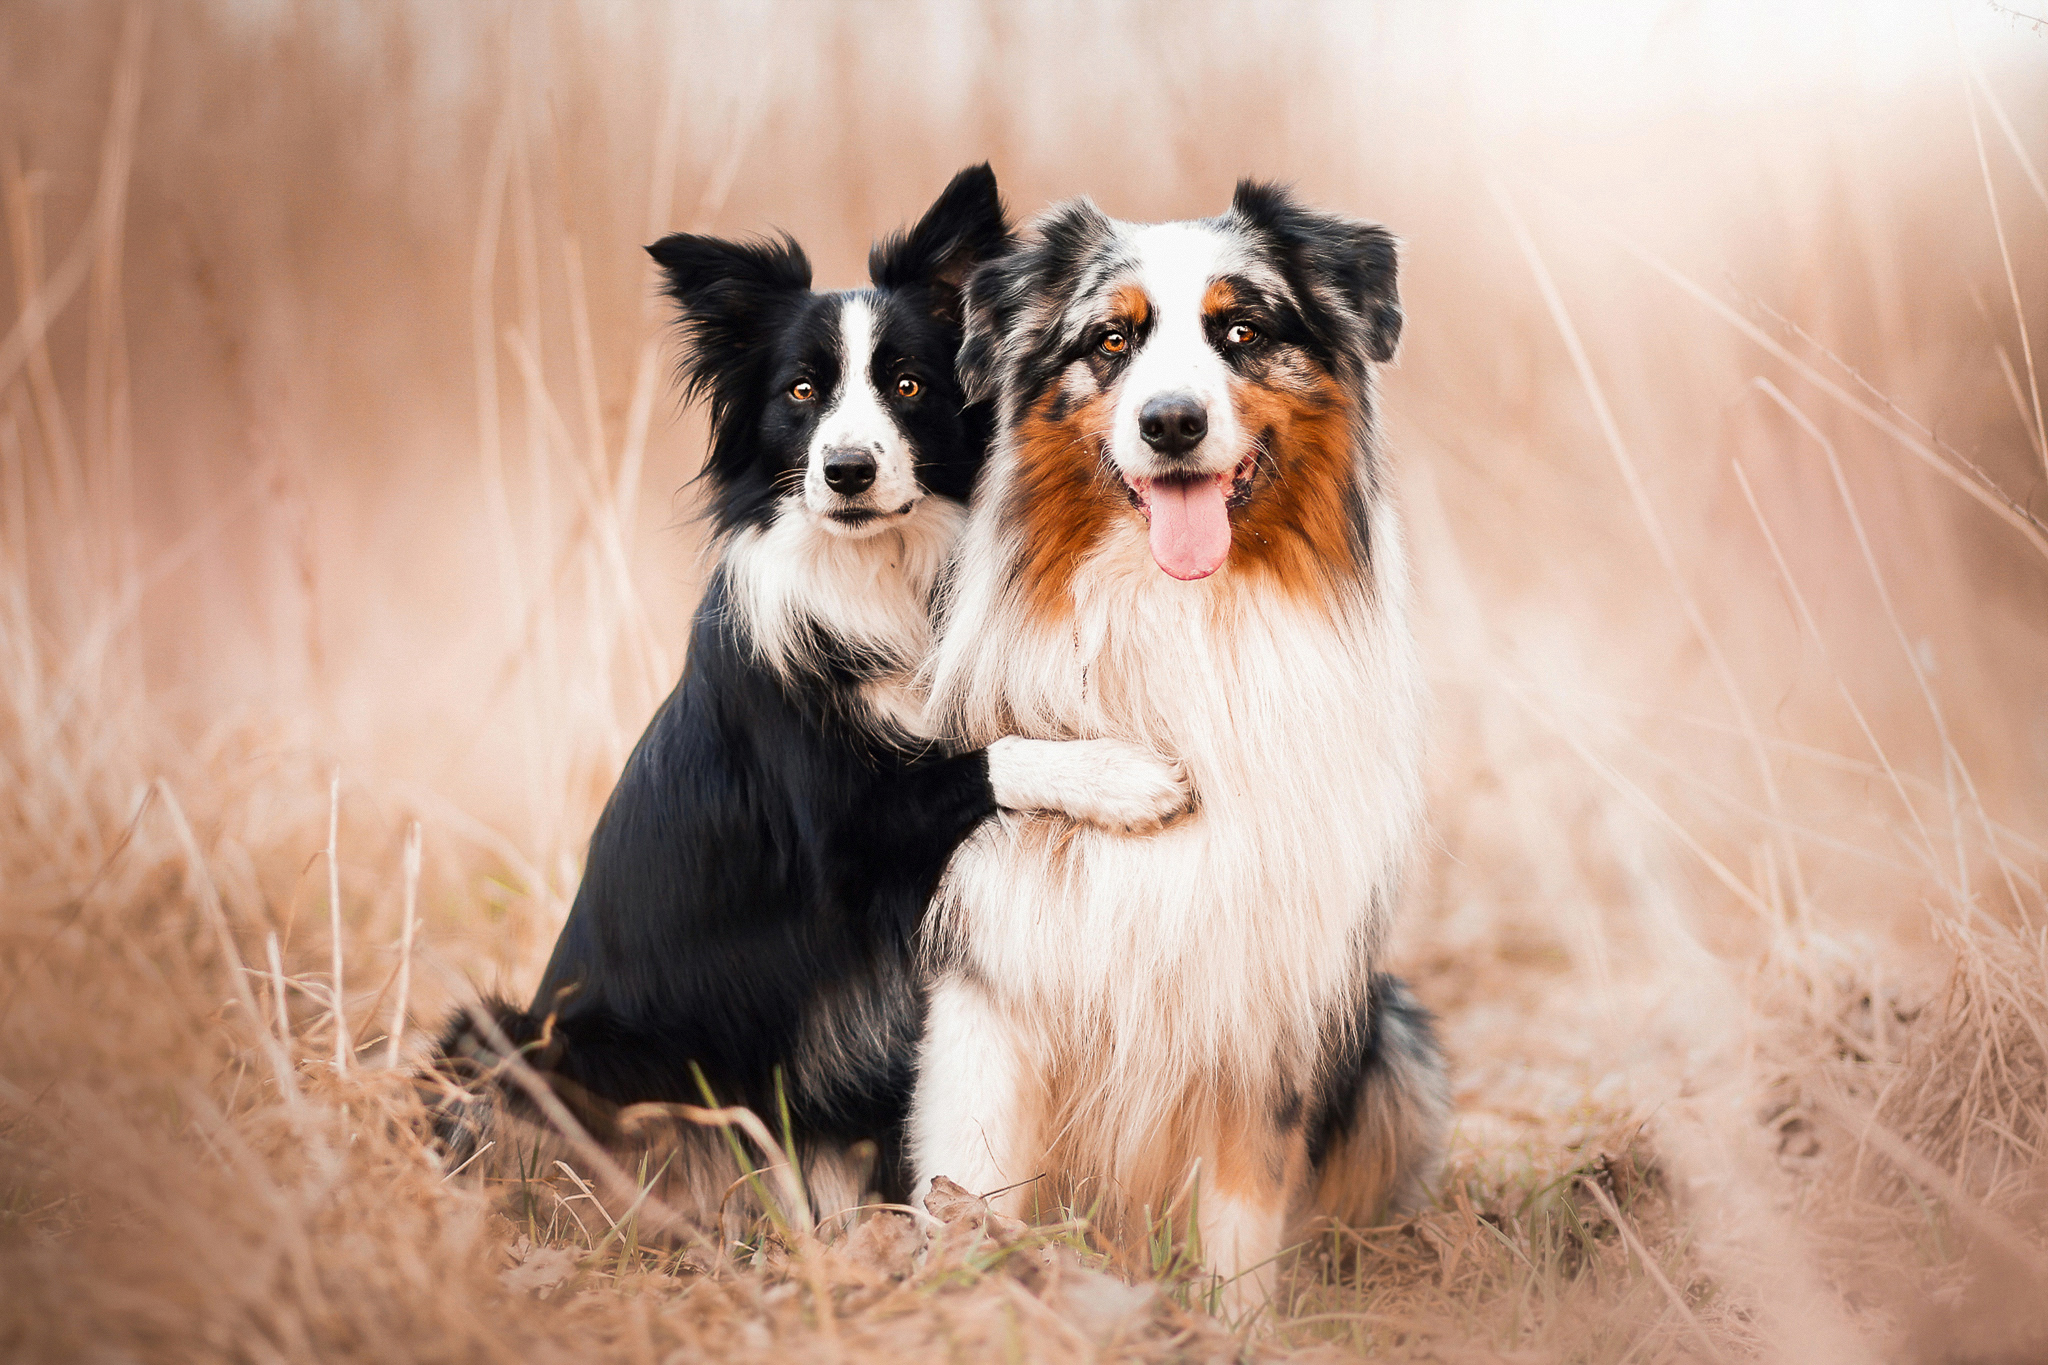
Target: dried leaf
x,y
885,1245
539,1271
950,1203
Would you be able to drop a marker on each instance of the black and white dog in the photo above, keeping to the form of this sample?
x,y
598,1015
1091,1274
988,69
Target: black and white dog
x,y
756,883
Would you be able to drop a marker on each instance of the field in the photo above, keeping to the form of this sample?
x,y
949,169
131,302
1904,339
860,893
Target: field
x,y
346,544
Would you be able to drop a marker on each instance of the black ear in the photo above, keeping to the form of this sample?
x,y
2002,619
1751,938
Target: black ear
x,y
999,295
1355,262
727,294
1371,261
702,273
963,227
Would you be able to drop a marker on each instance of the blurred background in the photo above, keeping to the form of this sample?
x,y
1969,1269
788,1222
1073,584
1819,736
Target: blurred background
x,y
342,473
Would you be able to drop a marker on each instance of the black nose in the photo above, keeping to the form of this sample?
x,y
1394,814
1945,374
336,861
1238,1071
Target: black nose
x,y
849,469
1173,423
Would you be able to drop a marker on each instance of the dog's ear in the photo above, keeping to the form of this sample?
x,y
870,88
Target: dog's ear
x,y
1000,294
729,298
727,294
1355,262
990,304
964,227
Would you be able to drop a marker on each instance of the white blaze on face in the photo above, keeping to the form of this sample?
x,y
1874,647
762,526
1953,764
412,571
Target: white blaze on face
x,y
1186,497
857,419
1177,262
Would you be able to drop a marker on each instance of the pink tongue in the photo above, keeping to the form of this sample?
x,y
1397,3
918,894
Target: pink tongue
x,y
1190,527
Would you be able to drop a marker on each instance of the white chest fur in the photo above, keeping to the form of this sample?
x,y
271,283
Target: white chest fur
x,y
794,583
1239,929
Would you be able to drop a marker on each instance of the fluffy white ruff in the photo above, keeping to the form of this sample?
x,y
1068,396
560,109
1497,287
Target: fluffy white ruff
x,y
872,592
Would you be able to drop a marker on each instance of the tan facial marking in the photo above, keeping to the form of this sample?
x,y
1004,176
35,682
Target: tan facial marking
x,y
1061,503
1297,526
1219,299
1130,306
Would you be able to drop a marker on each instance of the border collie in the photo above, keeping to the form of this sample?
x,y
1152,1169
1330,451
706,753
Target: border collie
x,y
1184,540
747,917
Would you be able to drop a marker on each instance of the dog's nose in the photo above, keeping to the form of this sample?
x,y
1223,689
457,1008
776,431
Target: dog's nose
x,y
849,469
1173,423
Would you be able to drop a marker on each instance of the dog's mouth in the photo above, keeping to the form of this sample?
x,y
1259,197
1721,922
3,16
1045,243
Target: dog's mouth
x,y
1189,517
855,518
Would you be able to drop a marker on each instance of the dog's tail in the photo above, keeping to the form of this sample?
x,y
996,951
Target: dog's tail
x,y
1387,1111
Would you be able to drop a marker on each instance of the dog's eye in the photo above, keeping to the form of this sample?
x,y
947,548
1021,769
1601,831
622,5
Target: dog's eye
x,y
1241,334
906,387
1114,343
803,391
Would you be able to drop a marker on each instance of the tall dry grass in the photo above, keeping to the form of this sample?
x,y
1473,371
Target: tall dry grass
x,y
338,500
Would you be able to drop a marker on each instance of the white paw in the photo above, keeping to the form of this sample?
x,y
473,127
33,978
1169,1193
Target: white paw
x,y
1130,788
1105,782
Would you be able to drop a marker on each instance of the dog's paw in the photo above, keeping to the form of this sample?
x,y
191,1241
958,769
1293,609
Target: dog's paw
x,y
1105,782
1128,787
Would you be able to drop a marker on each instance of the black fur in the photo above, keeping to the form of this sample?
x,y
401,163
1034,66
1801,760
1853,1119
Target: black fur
x,y
757,877
1393,1043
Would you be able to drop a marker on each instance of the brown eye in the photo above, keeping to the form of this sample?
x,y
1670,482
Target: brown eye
x,y
1241,334
1115,343
803,391
906,387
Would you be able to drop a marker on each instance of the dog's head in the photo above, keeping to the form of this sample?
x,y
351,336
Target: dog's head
x,y
844,408
1205,381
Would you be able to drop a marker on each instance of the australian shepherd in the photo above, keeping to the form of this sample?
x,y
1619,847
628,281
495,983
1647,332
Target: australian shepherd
x,y
746,922
1184,539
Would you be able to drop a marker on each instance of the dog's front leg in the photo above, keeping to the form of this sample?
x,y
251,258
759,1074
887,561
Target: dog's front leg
x,y
1256,1171
1103,781
974,1118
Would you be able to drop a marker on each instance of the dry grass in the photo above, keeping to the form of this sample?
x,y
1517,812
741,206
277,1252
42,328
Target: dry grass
x,y
336,454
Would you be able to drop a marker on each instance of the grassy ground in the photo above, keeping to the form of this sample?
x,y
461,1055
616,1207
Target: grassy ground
x,y
339,565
